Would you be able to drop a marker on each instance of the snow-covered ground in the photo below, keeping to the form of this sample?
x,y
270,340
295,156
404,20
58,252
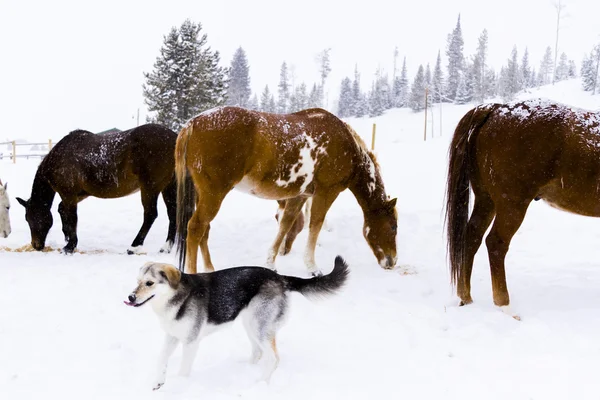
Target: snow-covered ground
x,y
65,333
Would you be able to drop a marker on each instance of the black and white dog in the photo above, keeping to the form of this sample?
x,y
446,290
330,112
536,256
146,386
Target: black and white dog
x,y
190,307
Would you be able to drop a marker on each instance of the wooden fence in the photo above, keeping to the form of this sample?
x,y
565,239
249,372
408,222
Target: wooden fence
x,y
15,153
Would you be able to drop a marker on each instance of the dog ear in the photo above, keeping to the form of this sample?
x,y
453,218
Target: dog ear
x,y
172,275
392,203
22,202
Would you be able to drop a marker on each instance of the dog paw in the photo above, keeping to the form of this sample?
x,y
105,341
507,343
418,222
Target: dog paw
x,y
166,248
158,386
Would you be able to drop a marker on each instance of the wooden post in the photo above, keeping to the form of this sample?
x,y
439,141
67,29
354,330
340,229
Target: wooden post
x,y
425,133
49,145
373,136
14,143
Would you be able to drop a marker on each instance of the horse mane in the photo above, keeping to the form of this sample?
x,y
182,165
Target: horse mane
x,y
361,143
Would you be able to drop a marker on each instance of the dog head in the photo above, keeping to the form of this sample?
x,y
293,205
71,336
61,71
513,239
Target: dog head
x,y
154,279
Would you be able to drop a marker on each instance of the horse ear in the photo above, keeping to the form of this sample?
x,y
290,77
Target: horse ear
x,y
22,202
392,203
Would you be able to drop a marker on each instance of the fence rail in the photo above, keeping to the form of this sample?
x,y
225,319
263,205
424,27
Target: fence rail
x,y
14,154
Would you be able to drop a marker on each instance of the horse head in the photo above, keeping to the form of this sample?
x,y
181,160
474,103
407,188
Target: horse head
x,y
4,211
380,230
39,218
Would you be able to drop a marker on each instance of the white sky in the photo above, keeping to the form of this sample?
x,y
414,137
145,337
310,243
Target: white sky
x,y
69,64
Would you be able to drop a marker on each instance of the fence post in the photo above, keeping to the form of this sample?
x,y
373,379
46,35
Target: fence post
x,y
373,136
49,145
426,105
14,143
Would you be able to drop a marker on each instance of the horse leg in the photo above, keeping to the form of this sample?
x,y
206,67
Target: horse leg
x,y
296,228
169,195
207,207
321,203
149,200
481,218
293,207
68,215
509,217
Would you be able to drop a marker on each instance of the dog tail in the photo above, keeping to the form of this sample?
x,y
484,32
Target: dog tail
x,y
321,285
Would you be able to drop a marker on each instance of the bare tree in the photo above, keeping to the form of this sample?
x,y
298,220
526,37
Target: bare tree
x,y
559,5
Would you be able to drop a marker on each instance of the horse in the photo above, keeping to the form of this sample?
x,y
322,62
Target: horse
x,y
510,155
106,166
310,153
4,211
298,225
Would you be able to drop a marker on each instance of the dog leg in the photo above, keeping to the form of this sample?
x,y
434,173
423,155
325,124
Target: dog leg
x,y
189,354
168,348
250,331
269,347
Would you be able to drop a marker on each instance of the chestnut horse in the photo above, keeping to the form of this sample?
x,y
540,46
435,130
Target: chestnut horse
x,y
310,153
114,165
510,155
4,211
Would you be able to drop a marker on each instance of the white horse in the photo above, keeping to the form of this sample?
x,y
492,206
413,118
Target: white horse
x,y
4,208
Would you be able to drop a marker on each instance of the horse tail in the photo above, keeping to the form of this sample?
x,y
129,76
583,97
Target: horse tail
x,y
186,193
457,187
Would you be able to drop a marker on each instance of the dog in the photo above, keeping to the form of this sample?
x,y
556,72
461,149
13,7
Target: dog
x,y
191,306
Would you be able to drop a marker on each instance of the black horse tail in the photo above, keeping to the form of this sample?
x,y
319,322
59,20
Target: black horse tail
x,y
457,187
186,193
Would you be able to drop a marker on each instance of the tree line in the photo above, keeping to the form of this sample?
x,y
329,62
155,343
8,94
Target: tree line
x,y
187,78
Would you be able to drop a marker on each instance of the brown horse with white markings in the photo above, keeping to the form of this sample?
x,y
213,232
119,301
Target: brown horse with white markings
x,y
107,166
510,155
310,153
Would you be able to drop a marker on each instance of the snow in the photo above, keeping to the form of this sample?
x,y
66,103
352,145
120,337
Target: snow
x,y
65,333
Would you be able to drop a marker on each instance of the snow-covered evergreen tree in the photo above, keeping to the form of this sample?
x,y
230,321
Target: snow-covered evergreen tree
x,y
324,62
513,80
265,97
562,69
239,80
463,95
186,78
253,103
437,84
428,78
456,60
314,99
590,68
400,87
479,67
572,69
283,94
345,101
546,68
272,105
417,91
491,83
356,92
526,75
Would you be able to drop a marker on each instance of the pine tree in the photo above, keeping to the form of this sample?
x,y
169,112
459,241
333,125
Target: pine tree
x,y
264,100
417,91
323,59
272,105
239,80
590,68
314,97
491,83
562,69
456,60
572,69
345,101
253,103
526,70
462,92
356,93
428,79
512,83
362,106
298,99
186,78
437,83
283,97
546,68
480,85
400,89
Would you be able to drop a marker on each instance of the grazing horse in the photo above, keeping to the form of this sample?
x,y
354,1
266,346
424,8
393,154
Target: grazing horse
x,y
4,211
510,155
107,166
310,153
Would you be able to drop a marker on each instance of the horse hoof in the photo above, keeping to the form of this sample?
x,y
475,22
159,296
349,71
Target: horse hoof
x,y
68,251
464,302
130,252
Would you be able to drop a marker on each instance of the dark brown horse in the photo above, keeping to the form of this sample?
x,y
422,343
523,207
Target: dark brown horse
x,y
107,166
510,155
310,153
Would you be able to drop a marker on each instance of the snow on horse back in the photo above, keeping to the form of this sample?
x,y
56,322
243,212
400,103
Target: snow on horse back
x,y
4,211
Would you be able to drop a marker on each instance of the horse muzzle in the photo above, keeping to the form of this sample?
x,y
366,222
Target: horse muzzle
x,y
388,262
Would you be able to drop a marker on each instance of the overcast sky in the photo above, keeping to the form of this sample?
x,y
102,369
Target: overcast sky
x,y
69,64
